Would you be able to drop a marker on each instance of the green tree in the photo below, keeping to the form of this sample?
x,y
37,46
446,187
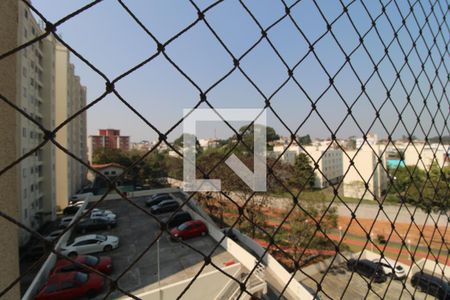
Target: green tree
x,y
305,140
303,174
105,156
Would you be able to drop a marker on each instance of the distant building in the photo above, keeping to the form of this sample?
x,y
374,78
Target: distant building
x,y
107,139
366,169
142,145
71,95
110,170
208,143
328,158
424,155
371,139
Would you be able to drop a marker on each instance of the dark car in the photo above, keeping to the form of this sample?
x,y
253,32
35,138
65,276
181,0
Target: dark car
x,y
95,224
431,285
164,206
152,201
71,209
178,219
368,269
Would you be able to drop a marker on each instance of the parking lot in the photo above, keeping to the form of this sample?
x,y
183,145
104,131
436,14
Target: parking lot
x,y
136,231
335,284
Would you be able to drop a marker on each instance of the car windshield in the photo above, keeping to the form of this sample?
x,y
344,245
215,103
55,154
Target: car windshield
x,y
101,237
183,226
91,260
81,277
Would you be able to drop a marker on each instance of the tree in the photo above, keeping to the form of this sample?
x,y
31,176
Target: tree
x,y
305,140
303,231
303,174
179,142
106,155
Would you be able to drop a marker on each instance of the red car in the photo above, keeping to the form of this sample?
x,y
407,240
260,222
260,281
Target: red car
x,y
71,285
189,229
102,264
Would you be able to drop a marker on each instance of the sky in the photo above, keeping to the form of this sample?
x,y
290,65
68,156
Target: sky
x,y
111,40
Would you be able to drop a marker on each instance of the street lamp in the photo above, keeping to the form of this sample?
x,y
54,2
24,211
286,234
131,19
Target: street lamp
x,y
371,241
409,249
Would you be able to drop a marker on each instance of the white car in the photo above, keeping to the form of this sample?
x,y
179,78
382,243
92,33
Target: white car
x,y
90,243
398,272
99,213
54,235
65,222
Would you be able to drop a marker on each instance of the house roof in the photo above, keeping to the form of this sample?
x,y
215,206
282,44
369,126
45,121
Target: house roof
x,y
104,166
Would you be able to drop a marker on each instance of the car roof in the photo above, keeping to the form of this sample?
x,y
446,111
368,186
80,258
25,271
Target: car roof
x,y
64,262
169,201
59,277
86,237
194,222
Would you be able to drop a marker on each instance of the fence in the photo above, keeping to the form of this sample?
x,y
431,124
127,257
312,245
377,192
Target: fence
x,y
385,68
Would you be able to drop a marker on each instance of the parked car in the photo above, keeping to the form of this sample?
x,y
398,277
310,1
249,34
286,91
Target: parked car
x,y
73,208
95,224
229,233
368,269
102,264
431,285
189,229
37,250
54,235
177,219
397,272
95,213
164,207
71,285
152,201
90,243
65,222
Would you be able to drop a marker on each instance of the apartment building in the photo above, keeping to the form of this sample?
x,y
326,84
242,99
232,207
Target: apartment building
x,y
71,95
107,139
328,158
330,161
424,155
36,85
9,130
369,167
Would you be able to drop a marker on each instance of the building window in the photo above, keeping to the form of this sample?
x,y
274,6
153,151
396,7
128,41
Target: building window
x,y
25,92
25,213
32,187
33,31
113,172
24,71
25,33
24,132
106,172
24,173
25,193
26,13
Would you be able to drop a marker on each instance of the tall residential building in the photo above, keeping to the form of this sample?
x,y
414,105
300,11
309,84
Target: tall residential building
x,y
35,95
11,14
369,167
71,97
107,139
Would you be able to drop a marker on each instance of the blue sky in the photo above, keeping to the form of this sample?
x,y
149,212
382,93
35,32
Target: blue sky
x,y
109,38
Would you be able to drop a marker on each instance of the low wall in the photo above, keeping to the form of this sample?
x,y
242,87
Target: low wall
x,y
294,291
203,287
